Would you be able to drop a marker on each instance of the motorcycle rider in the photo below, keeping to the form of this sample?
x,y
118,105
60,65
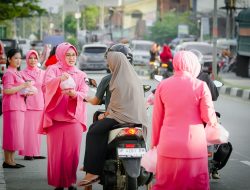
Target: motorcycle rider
x,y
126,106
102,91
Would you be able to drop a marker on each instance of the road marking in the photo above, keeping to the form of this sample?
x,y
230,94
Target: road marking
x,y
245,162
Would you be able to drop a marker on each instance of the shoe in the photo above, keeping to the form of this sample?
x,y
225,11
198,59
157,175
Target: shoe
x,y
86,183
72,188
28,158
39,157
215,175
5,165
20,165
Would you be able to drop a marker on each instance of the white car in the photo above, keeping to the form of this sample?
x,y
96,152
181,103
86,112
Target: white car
x,y
205,48
140,49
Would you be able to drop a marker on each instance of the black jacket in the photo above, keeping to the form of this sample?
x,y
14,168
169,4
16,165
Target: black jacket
x,y
213,89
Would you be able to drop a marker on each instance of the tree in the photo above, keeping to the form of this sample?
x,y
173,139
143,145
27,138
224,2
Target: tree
x,y
10,9
91,16
166,29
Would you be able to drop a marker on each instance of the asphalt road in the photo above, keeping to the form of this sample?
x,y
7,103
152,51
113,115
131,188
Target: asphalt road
x,y
234,176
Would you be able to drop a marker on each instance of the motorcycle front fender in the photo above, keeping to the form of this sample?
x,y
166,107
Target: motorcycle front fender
x,y
132,166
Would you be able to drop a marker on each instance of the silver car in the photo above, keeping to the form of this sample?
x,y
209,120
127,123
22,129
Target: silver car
x,y
92,57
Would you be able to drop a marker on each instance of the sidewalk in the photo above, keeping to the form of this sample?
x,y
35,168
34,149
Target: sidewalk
x,y
235,85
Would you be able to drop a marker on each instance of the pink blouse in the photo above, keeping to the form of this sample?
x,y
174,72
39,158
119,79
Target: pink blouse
x,y
12,102
36,101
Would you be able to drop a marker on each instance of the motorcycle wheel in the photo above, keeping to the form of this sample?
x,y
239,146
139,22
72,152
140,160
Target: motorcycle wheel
x,y
131,183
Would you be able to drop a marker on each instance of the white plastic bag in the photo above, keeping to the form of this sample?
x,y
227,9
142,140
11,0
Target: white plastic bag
x,y
29,90
68,84
149,160
216,135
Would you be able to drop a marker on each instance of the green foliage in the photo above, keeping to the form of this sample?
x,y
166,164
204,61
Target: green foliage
x,y
166,29
10,9
70,24
90,17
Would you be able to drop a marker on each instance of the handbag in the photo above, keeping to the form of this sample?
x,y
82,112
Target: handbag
x,y
216,134
149,160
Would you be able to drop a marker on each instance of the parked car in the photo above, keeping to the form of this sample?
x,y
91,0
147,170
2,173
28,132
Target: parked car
x,y
92,57
140,49
2,59
24,45
205,48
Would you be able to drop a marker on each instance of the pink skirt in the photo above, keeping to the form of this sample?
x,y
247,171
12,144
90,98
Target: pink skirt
x,y
32,140
63,144
181,174
13,123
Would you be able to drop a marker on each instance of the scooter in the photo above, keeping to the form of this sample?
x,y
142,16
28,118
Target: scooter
x,y
126,145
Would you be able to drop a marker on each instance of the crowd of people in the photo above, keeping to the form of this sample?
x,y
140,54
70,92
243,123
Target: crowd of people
x,y
52,102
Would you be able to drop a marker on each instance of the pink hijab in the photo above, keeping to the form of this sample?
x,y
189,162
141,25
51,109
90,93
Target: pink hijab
x,y
28,54
60,55
186,61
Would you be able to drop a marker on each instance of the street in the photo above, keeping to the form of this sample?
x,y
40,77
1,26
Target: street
x,y
234,176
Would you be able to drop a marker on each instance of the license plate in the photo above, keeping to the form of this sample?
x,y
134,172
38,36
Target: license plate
x,y
131,152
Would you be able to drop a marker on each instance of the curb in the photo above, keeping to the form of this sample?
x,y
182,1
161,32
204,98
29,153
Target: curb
x,y
2,179
236,92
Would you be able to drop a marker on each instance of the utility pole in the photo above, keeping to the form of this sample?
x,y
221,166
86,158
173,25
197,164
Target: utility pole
x,y
215,35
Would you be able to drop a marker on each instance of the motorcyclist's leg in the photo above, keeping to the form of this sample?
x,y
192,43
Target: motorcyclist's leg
x,y
96,145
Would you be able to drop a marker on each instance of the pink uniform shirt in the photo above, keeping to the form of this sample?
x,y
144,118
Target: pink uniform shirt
x,y
13,102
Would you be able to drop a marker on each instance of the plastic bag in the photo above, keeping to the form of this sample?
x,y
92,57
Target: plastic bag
x,y
29,90
68,84
149,160
216,135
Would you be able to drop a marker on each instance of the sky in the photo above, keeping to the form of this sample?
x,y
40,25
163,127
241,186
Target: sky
x,y
202,5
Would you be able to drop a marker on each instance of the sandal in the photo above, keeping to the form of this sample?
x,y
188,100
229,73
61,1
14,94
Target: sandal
x,y
85,182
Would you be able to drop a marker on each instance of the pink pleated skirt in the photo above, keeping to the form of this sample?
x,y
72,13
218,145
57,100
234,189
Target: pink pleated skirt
x,y
181,174
32,140
63,144
13,124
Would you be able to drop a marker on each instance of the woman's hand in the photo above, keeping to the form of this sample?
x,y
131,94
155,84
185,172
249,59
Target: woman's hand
x,y
26,84
101,116
64,76
69,92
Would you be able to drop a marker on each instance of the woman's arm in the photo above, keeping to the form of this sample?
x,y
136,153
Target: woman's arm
x,y
158,116
16,89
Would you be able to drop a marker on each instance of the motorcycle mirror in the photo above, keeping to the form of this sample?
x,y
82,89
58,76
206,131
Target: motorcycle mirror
x,y
146,88
218,83
158,78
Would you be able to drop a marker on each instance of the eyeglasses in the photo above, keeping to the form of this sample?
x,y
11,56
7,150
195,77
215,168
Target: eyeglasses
x,y
70,55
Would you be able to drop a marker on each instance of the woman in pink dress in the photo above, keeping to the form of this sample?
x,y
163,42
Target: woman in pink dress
x,y
182,103
34,106
13,109
64,118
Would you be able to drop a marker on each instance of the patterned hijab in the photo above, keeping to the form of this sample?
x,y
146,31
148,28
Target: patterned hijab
x,y
186,61
61,51
127,103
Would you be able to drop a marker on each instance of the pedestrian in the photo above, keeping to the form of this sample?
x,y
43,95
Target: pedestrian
x,y
52,58
64,117
13,109
124,107
182,103
34,108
